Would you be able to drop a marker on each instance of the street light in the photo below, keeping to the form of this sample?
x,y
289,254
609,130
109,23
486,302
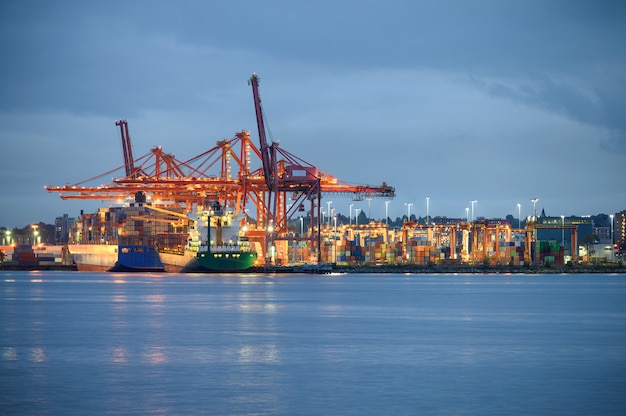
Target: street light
x,y
467,213
356,215
612,244
534,239
328,203
427,208
369,209
387,212
35,232
335,238
534,201
351,205
519,216
408,207
473,202
563,232
301,232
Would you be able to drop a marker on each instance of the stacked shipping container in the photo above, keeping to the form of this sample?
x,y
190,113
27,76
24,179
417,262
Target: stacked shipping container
x,y
549,251
420,252
511,252
127,225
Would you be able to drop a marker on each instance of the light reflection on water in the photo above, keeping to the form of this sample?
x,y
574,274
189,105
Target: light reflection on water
x,y
283,345
155,355
119,354
37,355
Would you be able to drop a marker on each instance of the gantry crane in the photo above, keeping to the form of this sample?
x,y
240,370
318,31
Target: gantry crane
x,y
278,189
293,176
129,162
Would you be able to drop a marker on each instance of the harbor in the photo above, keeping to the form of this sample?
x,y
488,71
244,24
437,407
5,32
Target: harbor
x,y
168,215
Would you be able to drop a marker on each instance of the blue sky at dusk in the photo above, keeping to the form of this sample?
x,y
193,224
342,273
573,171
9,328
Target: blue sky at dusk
x,y
494,101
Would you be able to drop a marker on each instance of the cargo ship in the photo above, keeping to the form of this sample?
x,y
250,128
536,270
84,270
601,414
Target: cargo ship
x,y
141,237
115,239
115,258
212,240
223,247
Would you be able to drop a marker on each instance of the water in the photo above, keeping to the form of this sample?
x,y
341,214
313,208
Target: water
x,y
129,344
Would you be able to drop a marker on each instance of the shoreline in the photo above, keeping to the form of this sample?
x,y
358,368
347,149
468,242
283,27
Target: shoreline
x,y
386,269
469,269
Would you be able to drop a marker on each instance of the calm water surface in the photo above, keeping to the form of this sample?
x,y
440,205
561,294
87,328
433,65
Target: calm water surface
x,y
131,344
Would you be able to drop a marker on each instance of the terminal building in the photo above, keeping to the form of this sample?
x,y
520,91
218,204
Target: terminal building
x,y
619,232
62,226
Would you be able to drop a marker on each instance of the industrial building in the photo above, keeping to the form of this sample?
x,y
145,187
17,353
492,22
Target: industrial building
x,y
62,226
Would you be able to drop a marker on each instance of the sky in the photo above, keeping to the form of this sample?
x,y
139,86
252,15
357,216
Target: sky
x,y
489,100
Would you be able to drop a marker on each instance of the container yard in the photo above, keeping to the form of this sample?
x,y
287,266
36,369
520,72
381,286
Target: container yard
x,y
27,256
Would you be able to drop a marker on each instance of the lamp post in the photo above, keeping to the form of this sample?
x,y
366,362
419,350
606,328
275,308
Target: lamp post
x,y
35,232
534,239
467,213
473,202
301,232
408,207
351,205
427,209
329,213
356,215
612,244
369,209
563,232
519,216
387,212
335,238
534,201
269,245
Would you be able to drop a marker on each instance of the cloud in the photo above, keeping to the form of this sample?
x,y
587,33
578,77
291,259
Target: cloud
x,y
483,100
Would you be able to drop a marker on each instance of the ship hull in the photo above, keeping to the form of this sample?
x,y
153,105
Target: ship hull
x,y
225,262
104,258
180,263
138,258
93,257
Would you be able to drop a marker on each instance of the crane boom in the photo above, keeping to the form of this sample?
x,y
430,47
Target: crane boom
x,y
129,162
266,150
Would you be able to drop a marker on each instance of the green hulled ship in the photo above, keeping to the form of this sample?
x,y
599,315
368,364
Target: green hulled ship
x,y
222,250
227,260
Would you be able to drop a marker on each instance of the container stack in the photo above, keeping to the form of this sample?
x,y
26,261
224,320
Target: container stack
x,y
24,255
442,253
107,225
380,252
511,252
172,242
550,252
420,252
349,252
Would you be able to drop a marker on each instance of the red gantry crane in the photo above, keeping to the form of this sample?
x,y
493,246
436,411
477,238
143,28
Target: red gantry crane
x,y
278,189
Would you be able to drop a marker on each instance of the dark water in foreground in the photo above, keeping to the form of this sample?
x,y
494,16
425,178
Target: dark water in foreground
x,y
124,344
